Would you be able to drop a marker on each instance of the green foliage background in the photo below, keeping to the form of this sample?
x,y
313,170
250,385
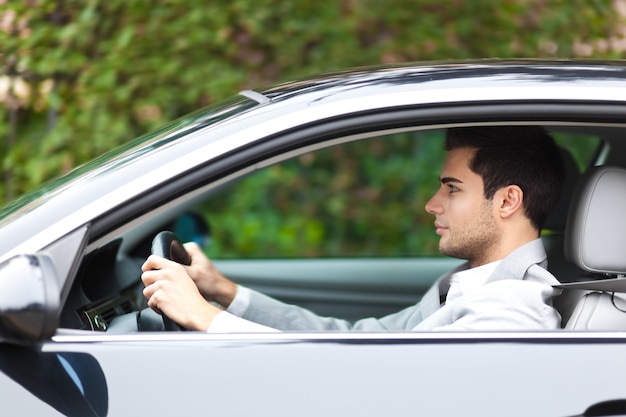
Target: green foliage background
x,y
362,198
82,77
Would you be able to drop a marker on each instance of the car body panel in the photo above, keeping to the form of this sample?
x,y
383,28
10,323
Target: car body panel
x,y
496,374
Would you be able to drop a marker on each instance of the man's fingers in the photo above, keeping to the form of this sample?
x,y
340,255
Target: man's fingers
x,y
192,247
153,262
154,305
151,276
194,251
154,293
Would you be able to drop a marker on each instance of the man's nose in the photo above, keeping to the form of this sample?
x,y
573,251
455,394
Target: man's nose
x,y
433,206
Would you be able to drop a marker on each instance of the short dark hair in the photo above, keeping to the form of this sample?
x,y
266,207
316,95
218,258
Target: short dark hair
x,y
526,156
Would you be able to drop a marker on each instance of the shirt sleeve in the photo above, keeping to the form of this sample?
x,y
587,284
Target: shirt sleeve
x,y
240,303
225,322
230,321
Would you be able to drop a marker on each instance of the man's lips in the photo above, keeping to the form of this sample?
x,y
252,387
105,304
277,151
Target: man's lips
x,y
439,228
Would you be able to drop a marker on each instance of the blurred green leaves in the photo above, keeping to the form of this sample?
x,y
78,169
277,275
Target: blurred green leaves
x,y
363,198
81,77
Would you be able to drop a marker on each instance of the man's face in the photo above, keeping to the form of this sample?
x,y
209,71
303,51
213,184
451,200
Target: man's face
x,y
463,217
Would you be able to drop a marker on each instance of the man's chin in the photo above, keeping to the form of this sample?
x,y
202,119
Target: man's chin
x,y
452,252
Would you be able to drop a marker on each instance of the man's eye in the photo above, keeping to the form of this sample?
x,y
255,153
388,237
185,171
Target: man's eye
x,y
453,189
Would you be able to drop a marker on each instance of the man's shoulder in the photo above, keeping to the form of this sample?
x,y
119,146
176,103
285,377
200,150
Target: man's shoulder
x,y
530,252
527,261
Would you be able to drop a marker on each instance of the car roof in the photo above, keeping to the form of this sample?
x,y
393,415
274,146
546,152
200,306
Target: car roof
x,y
448,74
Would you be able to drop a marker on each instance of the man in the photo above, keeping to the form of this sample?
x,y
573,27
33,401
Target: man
x,y
497,186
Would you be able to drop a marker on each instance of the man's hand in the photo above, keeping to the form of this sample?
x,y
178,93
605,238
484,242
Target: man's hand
x,y
170,290
210,282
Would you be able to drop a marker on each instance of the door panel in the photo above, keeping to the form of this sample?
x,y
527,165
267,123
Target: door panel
x,y
369,375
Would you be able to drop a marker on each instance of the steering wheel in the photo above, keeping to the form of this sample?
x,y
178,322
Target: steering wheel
x,y
167,245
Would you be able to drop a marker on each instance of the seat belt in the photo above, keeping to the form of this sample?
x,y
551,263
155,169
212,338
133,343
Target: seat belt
x,y
605,285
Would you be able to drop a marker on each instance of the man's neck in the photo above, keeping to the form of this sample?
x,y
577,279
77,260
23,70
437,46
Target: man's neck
x,y
502,249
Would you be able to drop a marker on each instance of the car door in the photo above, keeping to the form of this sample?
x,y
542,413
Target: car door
x,y
514,375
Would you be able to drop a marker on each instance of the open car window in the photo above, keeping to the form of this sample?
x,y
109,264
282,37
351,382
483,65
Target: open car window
x,y
357,199
340,230
353,200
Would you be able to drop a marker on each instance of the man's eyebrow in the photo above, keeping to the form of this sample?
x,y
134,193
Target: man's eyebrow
x,y
446,180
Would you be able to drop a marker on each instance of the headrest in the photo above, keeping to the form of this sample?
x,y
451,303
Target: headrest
x,y
557,219
595,235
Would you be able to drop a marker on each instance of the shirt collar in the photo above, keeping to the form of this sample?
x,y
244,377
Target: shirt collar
x,y
469,280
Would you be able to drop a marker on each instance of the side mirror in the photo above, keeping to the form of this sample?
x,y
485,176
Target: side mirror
x,y
29,299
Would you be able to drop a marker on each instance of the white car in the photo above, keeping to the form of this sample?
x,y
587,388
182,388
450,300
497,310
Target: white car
x,y
272,181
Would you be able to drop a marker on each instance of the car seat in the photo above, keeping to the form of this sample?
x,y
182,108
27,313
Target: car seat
x,y
595,242
553,232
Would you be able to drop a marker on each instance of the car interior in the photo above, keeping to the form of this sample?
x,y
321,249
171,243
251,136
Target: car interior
x,y
585,240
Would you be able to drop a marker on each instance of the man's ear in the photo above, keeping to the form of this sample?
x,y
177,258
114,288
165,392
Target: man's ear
x,y
509,200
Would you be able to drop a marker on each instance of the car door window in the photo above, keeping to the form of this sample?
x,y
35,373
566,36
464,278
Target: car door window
x,y
362,198
584,148
358,199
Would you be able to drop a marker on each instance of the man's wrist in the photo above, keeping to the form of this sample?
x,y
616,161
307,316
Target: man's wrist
x,y
202,321
226,293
